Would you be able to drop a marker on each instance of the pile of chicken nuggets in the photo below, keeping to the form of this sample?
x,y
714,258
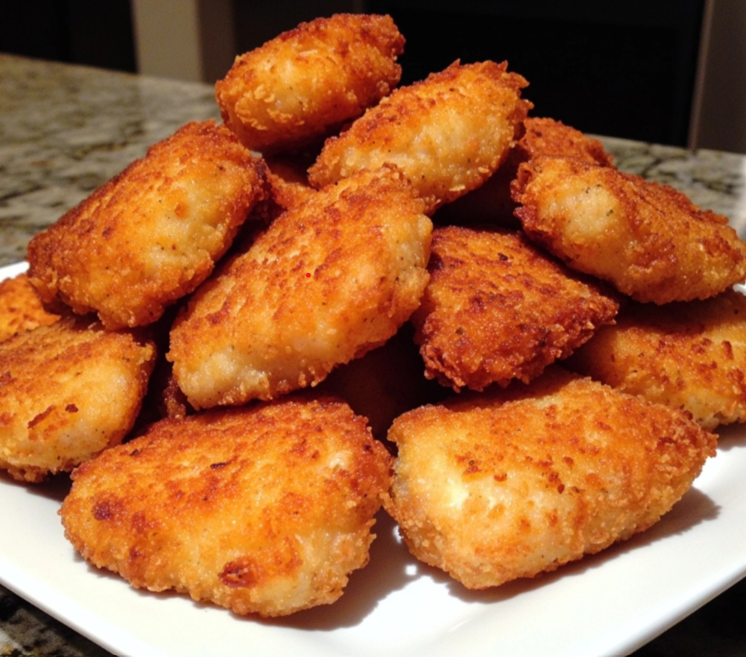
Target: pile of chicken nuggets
x,y
353,295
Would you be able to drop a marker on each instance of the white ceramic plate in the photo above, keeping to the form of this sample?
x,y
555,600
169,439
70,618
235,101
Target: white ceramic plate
x,y
608,604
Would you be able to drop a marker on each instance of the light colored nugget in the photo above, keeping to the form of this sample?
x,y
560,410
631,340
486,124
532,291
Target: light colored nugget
x,y
326,282
497,309
492,202
69,391
647,239
448,133
264,509
151,234
505,485
688,355
20,307
300,85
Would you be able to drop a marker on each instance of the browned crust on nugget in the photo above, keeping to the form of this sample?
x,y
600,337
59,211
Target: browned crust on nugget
x,y
261,509
497,309
151,234
68,391
647,239
21,308
448,133
309,80
688,355
514,483
546,136
325,283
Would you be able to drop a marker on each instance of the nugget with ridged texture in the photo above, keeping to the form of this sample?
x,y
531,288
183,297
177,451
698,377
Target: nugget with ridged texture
x,y
328,281
689,355
509,484
263,509
448,133
21,308
306,82
497,308
151,234
647,239
69,391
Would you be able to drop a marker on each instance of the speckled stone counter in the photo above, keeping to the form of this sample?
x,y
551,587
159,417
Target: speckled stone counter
x,y
66,130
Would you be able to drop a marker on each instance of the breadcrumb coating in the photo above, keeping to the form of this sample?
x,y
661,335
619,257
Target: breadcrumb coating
x,y
296,88
512,483
69,391
448,133
497,309
151,234
20,307
647,239
263,509
329,280
688,355
492,202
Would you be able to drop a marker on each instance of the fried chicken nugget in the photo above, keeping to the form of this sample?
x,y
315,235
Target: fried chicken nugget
x,y
151,234
509,484
20,307
687,355
492,202
265,508
306,82
497,309
647,239
69,391
325,283
448,133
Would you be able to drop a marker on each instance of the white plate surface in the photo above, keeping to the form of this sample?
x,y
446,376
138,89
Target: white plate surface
x,y
608,604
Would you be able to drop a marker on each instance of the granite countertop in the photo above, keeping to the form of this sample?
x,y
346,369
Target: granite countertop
x,y
65,130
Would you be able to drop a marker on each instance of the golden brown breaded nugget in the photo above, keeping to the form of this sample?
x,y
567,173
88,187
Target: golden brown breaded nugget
x,y
497,309
327,281
20,307
265,508
68,391
492,202
153,233
297,87
645,238
448,133
511,483
688,355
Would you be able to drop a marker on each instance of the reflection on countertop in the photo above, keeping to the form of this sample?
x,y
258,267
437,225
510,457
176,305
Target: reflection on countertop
x,y
66,130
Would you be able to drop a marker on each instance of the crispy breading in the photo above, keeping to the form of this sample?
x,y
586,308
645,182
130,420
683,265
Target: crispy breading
x,y
20,307
497,308
448,133
69,391
153,233
492,202
328,280
306,82
647,239
510,483
265,508
689,355
546,136
288,182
